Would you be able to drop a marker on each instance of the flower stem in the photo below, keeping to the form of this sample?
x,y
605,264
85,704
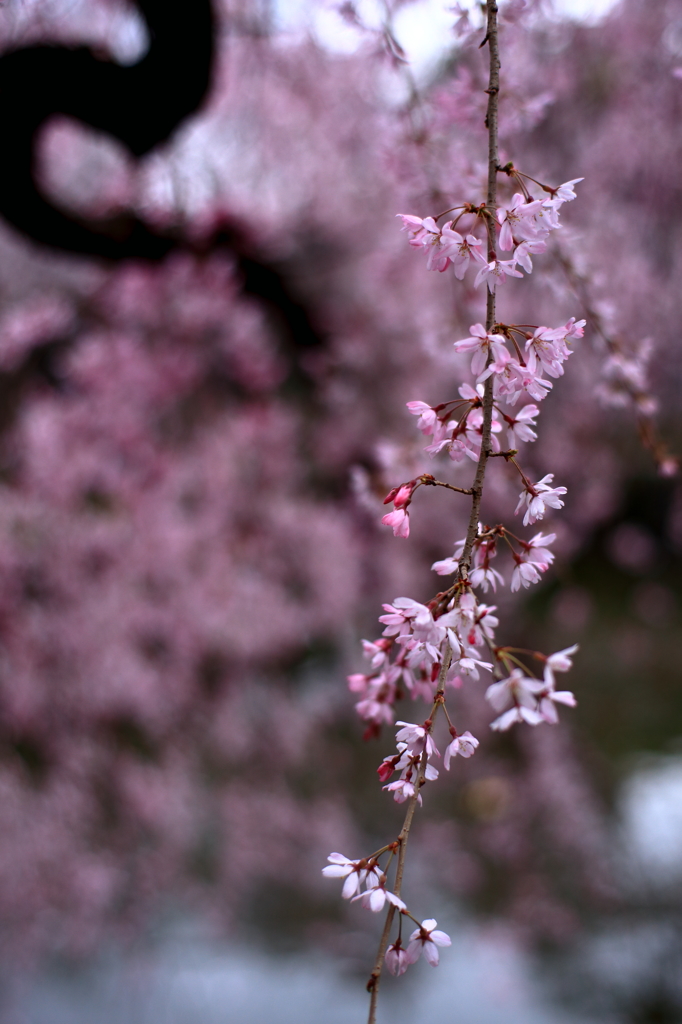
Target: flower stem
x,y
375,977
491,205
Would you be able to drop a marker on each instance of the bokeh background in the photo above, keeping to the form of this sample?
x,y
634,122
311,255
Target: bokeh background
x,y
209,326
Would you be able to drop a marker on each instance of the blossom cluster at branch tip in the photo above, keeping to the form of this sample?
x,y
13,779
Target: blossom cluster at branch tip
x,y
408,657
457,426
538,498
524,224
533,701
424,940
359,872
426,648
531,558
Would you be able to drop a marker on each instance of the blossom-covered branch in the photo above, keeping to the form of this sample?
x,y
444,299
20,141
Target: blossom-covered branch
x,y
427,648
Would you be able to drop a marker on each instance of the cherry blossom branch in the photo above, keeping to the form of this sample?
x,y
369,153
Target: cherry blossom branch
x,y
450,487
375,977
423,645
476,489
491,205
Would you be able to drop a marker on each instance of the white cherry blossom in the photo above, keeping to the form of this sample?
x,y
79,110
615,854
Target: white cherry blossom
x,y
566,192
496,272
539,498
559,662
464,746
460,250
355,873
426,940
396,958
374,898
519,426
518,220
482,344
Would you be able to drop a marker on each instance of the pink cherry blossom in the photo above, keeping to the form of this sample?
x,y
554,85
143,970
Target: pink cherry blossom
x,y
550,698
379,711
426,940
358,682
446,566
468,664
485,577
402,790
517,220
457,448
517,714
421,231
417,738
482,345
523,575
520,691
527,378
460,250
390,764
538,497
519,426
464,746
548,218
376,651
571,329
375,897
548,348
508,383
559,662
566,192
399,520
523,252
428,418
396,958
496,272
354,872
426,234
474,431
402,495
534,559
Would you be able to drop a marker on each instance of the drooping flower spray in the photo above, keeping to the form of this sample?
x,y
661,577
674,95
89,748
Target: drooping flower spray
x,y
426,648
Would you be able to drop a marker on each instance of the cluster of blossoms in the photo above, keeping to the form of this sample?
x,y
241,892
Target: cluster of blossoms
x,y
457,426
425,649
507,361
425,939
531,558
420,648
408,657
415,748
524,225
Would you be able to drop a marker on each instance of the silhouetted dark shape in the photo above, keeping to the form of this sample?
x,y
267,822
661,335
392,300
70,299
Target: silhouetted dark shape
x,y
140,105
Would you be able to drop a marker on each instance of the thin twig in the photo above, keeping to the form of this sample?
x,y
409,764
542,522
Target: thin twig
x,y
476,489
491,205
375,976
450,487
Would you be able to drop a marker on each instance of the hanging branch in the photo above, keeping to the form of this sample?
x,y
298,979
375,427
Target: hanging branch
x,y
423,646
